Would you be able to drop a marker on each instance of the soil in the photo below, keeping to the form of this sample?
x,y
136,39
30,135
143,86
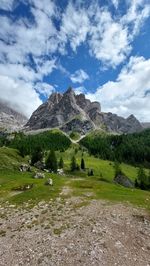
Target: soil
x,y
74,232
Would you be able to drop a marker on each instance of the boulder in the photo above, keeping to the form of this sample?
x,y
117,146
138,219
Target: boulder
x,y
49,182
60,171
39,165
39,175
123,181
25,168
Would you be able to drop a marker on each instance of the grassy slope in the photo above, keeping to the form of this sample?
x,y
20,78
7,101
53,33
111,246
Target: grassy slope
x,y
10,177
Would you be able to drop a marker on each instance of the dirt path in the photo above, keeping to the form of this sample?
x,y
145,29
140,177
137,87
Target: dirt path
x,y
74,232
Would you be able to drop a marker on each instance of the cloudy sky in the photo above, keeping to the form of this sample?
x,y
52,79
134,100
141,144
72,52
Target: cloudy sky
x,y
99,47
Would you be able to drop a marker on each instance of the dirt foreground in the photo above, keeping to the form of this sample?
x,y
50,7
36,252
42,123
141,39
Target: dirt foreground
x,y
74,232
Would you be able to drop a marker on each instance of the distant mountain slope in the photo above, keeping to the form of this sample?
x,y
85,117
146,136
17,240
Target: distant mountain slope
x,y
71,112
10,119
145,125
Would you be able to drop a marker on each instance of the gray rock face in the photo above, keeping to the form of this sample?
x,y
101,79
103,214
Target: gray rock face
x,y
77,125
10,119
72,112
114,123
123,181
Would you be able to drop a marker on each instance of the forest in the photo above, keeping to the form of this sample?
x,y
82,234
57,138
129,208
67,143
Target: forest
x,y
129,148
27,144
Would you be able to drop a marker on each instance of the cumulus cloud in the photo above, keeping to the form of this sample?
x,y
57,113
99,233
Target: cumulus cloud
x,y
19,94
115,3
22,40
79,90
29,46
128,94
79,76
75,26
108,37
6,5
112,36
44,88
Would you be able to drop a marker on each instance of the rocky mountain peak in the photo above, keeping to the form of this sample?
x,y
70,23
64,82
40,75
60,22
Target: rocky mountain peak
x,y
70,91
55,97
71,112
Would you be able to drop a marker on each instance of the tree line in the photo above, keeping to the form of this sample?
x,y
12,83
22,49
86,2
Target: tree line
x,y
28,144
128,148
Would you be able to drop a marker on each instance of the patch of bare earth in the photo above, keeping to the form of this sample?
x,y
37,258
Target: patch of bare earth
x,y
73,233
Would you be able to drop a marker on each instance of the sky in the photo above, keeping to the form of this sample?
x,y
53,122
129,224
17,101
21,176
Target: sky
x,y
99,47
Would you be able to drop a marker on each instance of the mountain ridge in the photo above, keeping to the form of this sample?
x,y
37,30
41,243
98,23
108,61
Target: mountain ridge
x,y
71,112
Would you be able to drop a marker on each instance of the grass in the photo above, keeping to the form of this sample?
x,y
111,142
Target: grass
x,y
99,186
112,192
10,158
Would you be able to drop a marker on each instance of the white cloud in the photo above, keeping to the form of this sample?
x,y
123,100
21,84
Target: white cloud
x,y
79,76
18,71
129,93
6,5
108,38
75,26
79,90
44,88
112,36
22,39
20,95
115,3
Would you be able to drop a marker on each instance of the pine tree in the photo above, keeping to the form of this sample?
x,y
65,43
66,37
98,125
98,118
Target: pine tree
x,y
82,164
73,165
117,168
148,180
51,161
142,178
36,155
61,163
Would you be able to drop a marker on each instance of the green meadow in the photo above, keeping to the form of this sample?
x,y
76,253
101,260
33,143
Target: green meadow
x,y
98,186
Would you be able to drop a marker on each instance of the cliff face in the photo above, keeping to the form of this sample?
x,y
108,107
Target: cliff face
x,y
10,119
72,112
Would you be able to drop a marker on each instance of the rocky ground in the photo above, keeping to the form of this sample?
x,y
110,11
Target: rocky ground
x,y
74,232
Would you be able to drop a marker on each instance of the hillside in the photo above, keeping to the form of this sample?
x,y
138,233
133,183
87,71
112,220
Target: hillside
x,y
131,148
52,139
70,215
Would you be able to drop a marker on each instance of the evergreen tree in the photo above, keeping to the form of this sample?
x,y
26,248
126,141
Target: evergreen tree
x,y
142,178
61,163
148,180
82,164
36,155
51,161
90,172
136,183
73,165
117,168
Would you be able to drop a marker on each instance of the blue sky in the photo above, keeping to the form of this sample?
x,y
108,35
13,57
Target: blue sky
x,y
99,47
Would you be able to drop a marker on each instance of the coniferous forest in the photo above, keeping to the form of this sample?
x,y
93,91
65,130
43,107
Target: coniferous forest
x,y
132,148
27,144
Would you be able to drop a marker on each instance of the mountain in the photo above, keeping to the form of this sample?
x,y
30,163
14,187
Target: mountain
x,y
71,112
145,125
10,119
